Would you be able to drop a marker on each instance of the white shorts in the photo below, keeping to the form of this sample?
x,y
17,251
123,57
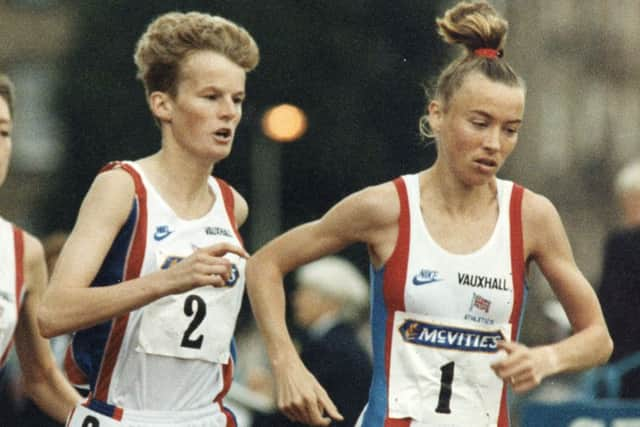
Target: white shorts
x,y
210,416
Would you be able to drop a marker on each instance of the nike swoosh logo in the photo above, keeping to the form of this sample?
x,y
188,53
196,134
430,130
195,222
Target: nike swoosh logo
x,y
419,281
160,235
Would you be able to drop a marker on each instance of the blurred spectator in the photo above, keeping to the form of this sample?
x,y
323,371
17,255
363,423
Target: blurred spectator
x,y
619,290
252,389
330,296
627,191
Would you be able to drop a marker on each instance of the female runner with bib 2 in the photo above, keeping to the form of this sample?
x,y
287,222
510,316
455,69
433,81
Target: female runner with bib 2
x,y
152,276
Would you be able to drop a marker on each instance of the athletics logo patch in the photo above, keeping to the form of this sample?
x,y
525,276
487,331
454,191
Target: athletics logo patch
x,y
448,337
480,303
235,274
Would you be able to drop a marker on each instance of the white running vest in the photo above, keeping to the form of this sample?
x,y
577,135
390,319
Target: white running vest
x,y
11,284
175,353
437,317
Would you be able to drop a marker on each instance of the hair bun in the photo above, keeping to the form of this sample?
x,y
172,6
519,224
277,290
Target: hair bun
x,y
473,25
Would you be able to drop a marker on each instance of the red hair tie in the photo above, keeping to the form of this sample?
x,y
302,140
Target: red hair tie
x,y
488,53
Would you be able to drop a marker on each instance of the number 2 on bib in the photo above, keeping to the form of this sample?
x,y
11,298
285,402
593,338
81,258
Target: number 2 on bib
x,y
198,314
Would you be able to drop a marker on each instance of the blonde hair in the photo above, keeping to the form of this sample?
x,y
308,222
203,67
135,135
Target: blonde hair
x,y
473,26
171,37
7,91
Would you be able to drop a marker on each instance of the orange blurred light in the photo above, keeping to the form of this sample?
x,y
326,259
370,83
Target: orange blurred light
x,y
284,123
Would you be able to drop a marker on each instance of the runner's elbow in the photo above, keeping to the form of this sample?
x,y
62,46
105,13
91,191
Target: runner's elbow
x,y
48,322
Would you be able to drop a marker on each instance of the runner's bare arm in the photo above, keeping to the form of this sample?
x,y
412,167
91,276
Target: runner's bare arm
x,y
368,216
44,382
547,244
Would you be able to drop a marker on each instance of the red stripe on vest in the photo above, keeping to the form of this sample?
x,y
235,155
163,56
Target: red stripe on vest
x,y
74,373
229,204
18,241
394,280
517,276
132,271
227,378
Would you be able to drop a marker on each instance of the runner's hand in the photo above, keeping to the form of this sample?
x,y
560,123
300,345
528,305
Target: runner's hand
x,y
524,368
301,398
204,267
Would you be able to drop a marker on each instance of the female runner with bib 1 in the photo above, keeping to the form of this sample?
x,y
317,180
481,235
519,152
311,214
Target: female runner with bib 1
x,y
449,250
152,276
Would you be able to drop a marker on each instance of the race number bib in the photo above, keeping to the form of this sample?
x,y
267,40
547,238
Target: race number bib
x,y
198,324
440,370
85,417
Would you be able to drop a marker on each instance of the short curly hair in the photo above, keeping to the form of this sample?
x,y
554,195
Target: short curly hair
x,y
171,37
